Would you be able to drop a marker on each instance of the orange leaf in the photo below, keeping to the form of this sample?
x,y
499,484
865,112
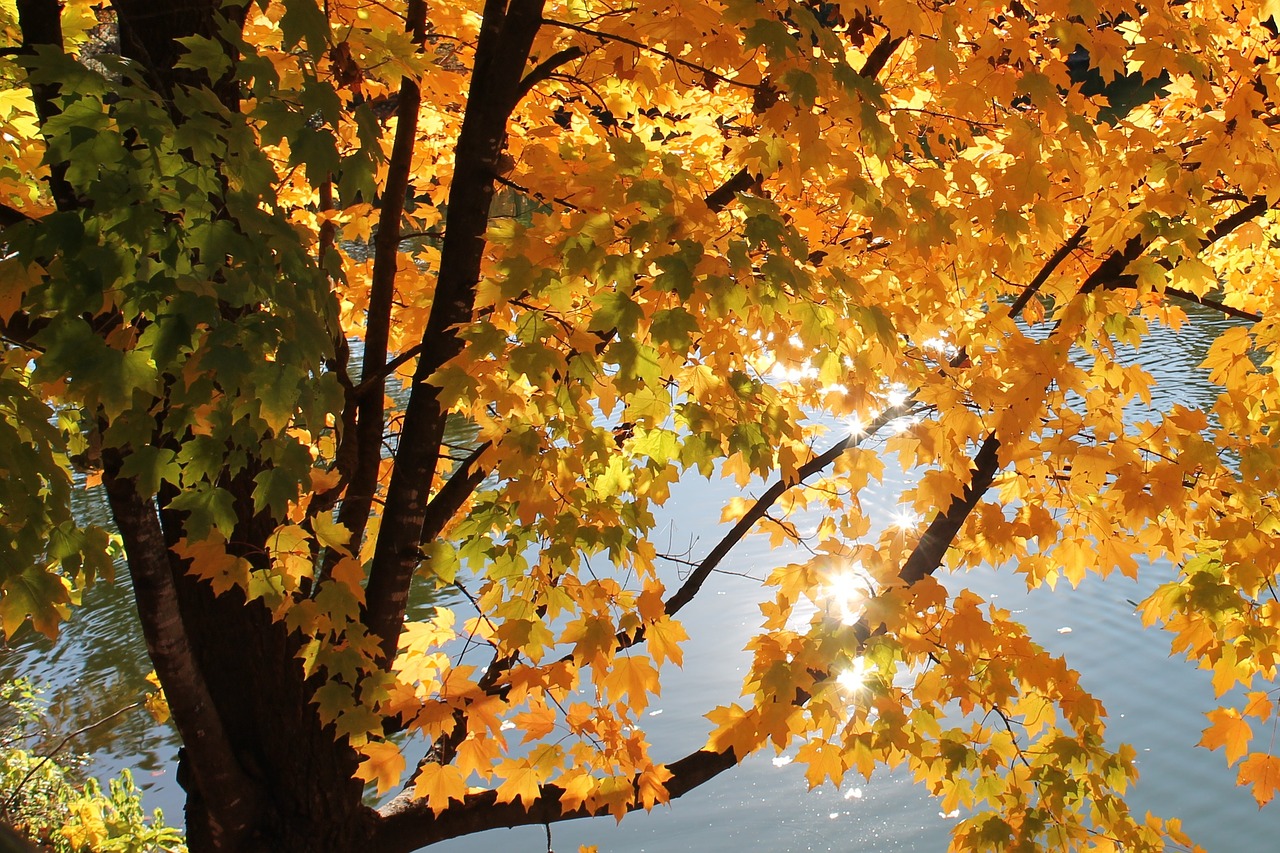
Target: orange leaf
x,y
210,561
522,780
383,763
439,784
1262,771
1227,730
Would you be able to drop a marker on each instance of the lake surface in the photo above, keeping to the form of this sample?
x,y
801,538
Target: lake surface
x,y
1155,702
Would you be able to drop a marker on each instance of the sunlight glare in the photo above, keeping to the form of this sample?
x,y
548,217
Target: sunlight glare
x,y
847,593
905,519
854,678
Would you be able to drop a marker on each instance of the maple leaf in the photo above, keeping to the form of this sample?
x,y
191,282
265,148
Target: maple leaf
x,y
652,786
1227,730
664,637
825,760
383,763
210,561
634,677
1262,771
521,778
439,784
332,534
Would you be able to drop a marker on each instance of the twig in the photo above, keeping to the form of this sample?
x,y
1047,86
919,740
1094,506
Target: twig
x,y
45,759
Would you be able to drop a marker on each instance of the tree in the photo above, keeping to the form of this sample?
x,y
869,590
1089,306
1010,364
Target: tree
x,y
350,297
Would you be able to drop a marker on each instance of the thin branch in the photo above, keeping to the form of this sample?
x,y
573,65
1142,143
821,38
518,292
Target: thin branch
x,y
376,380
1207,302
47,757
563,202
454,493
639,45
761,508
543,70
1047,270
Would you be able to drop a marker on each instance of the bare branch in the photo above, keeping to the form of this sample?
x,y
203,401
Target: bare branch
x,y
656,51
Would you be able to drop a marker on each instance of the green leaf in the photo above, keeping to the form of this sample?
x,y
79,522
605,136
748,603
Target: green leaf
x,y
616,311
204,54
305,20
206,507
802,85
674,326
630,154
273,489
150,466
771,34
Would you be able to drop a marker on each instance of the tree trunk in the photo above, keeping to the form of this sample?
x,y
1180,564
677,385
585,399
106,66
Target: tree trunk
x,y
307,797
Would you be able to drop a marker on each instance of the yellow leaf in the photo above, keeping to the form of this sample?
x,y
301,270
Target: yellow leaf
x,y
632,676
331,534
1260,706
653,786
350,573
665,636
383,763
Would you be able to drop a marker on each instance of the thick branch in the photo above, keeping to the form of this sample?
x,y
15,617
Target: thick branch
x,y
414,825
12,216
879,56
543,70
453,494
229,794
927,556
502,50
1047,270
370,402
741,181
41,23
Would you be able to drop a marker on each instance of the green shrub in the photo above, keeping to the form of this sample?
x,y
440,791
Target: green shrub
x,y
46,799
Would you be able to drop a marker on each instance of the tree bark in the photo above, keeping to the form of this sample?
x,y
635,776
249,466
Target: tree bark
x,y
506,37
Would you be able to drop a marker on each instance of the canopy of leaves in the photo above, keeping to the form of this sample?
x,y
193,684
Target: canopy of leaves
x,y
617,245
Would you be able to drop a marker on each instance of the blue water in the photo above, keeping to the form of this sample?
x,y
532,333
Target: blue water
x,y
1154,702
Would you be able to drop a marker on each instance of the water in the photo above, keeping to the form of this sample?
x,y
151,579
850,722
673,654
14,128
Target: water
x,y
1155,702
